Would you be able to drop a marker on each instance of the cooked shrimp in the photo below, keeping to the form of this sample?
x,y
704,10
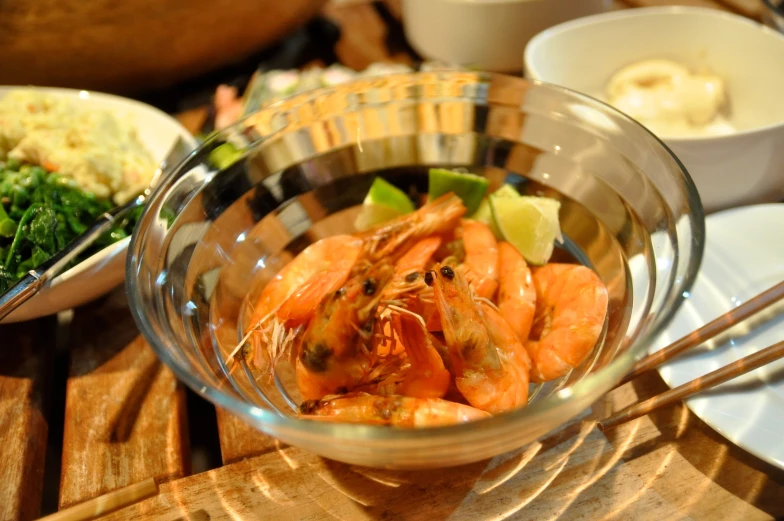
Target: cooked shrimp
x,y
516,292
426,376
386,341
320,268
432,318
481,258
415,367
407,276
451,245
571,305
417,257
335,353
514,359
490,367
300,305
387,240
398,411
452,393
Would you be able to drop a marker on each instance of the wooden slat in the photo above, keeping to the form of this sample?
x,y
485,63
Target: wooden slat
x,y
668,466
238,440
125,418
25,350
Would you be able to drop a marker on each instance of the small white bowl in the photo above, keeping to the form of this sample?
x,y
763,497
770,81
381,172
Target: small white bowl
x,y
485,34
745,167
105,270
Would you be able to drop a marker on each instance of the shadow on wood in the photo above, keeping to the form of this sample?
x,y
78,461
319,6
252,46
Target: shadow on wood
x,y
125,413
101,330
123,423
724,464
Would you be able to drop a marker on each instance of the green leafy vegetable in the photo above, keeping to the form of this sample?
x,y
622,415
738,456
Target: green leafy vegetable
x,y
7,225
40,213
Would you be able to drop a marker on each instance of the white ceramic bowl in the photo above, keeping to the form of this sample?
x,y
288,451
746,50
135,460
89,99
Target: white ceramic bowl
x,y
485,34
106,269
742,168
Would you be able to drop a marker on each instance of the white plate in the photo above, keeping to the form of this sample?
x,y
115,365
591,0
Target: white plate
x,y
106,269
744,256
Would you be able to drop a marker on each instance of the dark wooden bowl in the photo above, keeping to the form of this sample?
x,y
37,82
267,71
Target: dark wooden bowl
x,y
131,45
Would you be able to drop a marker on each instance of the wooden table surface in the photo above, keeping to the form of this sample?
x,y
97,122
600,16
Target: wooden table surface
x,y
86,408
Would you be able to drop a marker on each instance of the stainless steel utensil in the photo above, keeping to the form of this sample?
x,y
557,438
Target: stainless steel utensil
x,y
37,278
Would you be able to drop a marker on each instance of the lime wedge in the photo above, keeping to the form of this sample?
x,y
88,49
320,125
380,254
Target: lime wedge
x,y
373,214
484,214
529,223
470,188
384,201
382,192
224,155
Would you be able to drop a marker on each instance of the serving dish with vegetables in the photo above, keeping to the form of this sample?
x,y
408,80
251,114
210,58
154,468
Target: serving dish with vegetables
x,y
66,158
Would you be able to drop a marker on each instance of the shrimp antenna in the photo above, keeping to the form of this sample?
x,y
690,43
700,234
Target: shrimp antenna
x,y
238,347
253,328
486,301
408,312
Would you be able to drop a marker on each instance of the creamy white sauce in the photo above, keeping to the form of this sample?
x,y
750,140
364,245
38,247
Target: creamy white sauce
x,y
670,100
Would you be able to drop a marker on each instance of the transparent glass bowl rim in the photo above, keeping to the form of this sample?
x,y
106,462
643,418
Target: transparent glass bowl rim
x,y
590,385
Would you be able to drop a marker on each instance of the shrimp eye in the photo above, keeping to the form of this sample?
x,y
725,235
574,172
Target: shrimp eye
x,y
447,272
411,277
429,278
369,286
308,406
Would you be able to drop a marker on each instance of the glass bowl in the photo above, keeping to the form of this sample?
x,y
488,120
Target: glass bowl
x,y
212,233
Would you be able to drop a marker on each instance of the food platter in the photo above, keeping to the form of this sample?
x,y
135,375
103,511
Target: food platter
x,y
104,270
744,256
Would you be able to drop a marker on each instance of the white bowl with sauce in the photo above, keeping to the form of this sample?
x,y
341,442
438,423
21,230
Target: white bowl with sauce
x,y
744,166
